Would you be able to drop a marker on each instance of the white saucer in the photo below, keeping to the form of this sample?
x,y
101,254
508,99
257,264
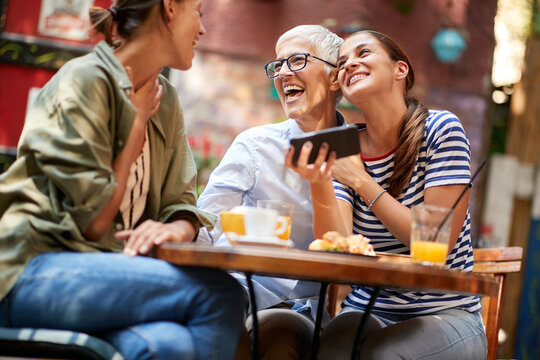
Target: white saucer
x,y
272,241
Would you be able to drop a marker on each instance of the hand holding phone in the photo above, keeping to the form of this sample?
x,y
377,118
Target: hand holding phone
x,y
341,139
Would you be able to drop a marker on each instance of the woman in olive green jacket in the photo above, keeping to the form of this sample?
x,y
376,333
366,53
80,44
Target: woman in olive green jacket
x,y
104,167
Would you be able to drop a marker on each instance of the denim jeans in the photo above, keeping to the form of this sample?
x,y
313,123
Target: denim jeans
x,y
449,334
146,308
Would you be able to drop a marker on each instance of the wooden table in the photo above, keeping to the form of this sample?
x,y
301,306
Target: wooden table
x,y
324,267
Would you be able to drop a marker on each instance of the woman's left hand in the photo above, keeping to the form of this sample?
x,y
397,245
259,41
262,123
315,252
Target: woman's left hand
x,y
154,233
348,170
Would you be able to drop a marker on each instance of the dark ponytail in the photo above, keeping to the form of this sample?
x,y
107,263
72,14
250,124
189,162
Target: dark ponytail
x,y
410,137
128,15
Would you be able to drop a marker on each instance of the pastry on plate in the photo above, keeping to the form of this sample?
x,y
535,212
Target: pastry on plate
x,y
334,241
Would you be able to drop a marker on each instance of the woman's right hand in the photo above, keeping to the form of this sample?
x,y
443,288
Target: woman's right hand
x,y
327,215
317,173
146,98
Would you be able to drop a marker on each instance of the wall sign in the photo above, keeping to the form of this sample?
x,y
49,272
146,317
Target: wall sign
x,y
67,19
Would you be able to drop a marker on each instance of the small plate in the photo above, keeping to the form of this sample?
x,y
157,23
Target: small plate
x,y
384,253
345,253
272,241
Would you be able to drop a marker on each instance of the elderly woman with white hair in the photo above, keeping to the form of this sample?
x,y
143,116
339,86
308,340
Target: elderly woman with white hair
x,y
305,77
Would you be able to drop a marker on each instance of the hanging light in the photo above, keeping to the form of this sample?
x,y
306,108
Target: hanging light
x,y
448,45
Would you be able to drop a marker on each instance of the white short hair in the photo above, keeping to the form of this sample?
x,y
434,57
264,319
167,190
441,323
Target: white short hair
x,y
326,43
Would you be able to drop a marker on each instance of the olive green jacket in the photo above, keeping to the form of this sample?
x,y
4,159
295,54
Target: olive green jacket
x,y
63,174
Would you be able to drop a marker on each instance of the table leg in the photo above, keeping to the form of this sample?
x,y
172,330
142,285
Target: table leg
x,y
255,328
363,322
318,320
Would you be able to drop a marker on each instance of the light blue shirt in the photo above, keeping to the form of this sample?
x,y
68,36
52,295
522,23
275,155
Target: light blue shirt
x,y
253,169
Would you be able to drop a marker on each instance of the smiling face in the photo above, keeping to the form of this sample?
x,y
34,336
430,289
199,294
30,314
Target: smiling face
x,y
307,93
366,69
186,29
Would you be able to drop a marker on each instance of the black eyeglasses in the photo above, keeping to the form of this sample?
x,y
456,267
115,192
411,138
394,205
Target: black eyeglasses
x,y
295,62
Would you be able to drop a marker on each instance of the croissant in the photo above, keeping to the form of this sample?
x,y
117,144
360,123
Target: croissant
x,y
334,241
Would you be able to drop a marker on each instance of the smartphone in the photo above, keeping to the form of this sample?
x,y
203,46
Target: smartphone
x,y
341,139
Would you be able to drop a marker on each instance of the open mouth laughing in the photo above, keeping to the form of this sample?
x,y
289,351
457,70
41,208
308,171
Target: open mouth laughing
x,y
292,92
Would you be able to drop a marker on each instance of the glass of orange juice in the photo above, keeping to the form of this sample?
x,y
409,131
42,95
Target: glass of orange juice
x,y
429,240
232,221
284,209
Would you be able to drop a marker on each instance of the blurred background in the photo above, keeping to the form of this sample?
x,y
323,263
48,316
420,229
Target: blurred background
x,y
478,59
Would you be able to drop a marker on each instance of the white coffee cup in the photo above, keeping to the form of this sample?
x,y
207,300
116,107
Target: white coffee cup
x,y
261,222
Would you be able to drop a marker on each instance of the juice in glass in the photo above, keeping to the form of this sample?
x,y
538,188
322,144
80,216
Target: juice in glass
x,y
429,252
430,234
285,235
232,222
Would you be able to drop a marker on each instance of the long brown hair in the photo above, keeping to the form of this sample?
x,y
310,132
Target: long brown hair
x,y
128,15
412,126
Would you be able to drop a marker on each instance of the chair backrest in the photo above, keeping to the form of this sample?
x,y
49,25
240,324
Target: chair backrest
x,y
498,262
54,344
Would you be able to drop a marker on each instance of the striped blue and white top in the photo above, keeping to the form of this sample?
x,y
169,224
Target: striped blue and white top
x,y
444,159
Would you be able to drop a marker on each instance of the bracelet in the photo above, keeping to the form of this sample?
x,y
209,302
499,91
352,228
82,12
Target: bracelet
x,y
376,197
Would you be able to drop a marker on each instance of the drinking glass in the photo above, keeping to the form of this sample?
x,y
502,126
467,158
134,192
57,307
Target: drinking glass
x,y
430,239
232,221
284,209
263,223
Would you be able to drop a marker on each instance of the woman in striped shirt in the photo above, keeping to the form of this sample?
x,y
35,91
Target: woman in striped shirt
x,y
410,155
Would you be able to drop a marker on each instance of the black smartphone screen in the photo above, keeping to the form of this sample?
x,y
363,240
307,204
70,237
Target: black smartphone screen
x,y
341,139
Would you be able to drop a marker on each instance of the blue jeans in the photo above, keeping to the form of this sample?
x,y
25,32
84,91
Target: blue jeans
x,y
146,308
